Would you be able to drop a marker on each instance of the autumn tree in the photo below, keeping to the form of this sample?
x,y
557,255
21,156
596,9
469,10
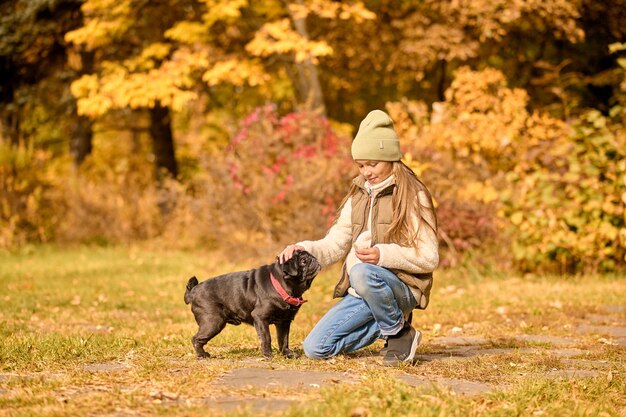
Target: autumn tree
x,y
128,41
35,103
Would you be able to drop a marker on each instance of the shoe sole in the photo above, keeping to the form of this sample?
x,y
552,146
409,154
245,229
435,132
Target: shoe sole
x,y
416,342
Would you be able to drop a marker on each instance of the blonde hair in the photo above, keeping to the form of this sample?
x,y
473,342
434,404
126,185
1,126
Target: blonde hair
x,y
406,204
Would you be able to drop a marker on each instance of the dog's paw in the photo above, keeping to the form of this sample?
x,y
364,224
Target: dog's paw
x,y
203,355
290,354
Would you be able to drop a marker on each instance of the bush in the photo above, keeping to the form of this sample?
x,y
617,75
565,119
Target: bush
x,y
25,212
570,210
558,189
285,177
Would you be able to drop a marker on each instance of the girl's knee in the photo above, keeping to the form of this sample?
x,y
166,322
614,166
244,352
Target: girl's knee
x,y
360,277
314,350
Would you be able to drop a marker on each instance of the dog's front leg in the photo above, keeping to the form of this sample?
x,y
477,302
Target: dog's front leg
x,y
263,331
282,334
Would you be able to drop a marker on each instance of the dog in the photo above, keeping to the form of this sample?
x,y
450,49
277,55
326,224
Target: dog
x,y
269,294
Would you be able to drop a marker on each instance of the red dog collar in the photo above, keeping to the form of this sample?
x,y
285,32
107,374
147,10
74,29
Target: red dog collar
x,y
281,291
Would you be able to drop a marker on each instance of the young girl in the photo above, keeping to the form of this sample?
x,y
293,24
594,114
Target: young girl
x,y
386,233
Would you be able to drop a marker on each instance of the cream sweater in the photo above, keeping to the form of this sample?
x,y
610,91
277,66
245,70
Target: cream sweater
x,y
336,245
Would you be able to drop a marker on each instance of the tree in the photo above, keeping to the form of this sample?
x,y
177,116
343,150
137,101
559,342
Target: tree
x,y
129,50
34,101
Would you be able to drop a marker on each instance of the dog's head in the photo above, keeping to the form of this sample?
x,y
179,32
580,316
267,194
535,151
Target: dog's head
x,y
300,270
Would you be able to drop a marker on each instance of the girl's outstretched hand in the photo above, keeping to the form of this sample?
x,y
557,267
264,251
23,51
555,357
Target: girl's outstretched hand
x,y
288,252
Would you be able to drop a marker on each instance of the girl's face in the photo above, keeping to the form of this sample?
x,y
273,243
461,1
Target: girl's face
x,y
374,171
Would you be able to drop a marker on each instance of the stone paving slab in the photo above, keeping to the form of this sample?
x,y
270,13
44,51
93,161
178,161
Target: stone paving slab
x,y
552,340
283,378
613,331
458,386
571,373
253,404
106,367
459,341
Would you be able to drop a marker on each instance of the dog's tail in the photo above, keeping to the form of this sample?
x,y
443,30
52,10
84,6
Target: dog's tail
x,y
193,281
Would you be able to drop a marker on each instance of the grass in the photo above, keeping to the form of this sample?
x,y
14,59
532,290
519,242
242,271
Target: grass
x,y
104,331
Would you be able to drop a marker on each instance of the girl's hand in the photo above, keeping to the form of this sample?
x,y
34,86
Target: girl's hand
x,y
368,255
288,252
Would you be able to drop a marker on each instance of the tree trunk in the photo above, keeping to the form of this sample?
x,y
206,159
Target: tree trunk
x,y
10,125
442,84
81,139
162,141
308,76
81,132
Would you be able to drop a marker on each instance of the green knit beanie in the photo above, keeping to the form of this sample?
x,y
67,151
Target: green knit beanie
x,y
376,139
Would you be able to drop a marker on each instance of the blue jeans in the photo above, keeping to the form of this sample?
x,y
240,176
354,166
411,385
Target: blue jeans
x,y
353,322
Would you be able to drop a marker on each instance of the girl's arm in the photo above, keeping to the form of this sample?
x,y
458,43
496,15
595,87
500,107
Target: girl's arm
x,y
336,244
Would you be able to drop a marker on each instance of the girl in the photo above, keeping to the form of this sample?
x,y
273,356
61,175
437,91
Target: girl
x,y
386,232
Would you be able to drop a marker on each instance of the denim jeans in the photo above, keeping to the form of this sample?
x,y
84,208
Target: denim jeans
x,y
353,322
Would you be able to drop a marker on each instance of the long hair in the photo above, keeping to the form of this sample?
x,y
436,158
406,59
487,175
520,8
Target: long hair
x,y
408,203
410,200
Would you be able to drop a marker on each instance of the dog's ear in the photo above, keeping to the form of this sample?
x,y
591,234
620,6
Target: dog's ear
x,y
291,266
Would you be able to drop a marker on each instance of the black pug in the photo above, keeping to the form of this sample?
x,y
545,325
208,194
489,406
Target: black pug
x,y
270,294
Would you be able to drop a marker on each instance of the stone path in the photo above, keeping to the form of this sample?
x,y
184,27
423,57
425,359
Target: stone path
x,y
608,328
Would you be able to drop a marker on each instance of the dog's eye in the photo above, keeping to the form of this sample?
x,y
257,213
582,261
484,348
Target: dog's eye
x,y
302,262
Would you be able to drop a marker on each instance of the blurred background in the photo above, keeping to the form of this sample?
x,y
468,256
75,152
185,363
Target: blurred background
x,y
226,125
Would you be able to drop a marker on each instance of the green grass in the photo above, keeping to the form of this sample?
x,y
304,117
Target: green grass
x,y
63,311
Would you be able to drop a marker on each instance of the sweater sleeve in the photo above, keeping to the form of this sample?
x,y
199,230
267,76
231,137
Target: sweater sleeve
x,y
422,259
336,244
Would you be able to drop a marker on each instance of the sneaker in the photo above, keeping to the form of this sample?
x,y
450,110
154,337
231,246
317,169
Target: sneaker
x,y
402,346
385,348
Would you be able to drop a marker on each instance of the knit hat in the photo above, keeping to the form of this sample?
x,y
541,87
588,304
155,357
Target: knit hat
x,y
376,139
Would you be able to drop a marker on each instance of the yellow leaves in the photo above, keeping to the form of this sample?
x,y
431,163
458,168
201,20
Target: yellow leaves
x,y
416,166
279,38
562,16
331,9
117,88
222,10
561,186
105,22
236,72
479,191
149,58
516,218
187,32
85,89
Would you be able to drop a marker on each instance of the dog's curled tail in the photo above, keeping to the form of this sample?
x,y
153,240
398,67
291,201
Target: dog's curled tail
x,y
193,281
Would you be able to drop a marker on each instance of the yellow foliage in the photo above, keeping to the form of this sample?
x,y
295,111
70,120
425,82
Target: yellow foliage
x,y
331,9
236,72
187,32
105,22
149,58
560,186
222,10
118,88
279,38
